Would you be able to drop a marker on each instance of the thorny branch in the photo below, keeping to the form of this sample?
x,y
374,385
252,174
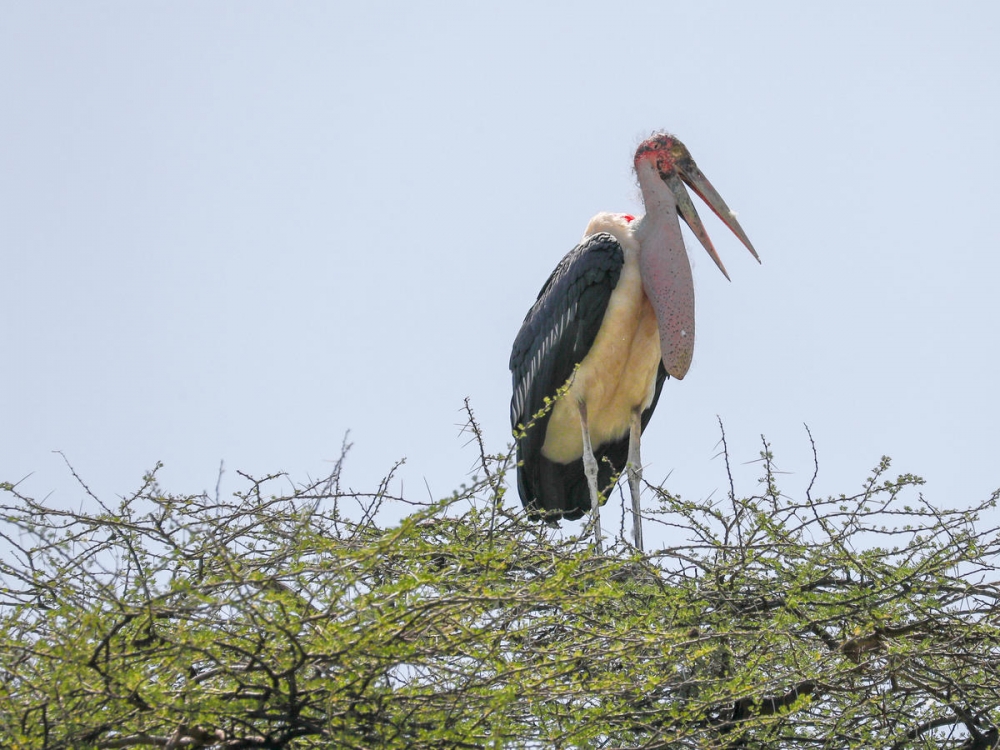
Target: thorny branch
x,y
298,619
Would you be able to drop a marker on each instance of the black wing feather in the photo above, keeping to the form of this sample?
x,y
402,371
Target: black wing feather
x,y
556,335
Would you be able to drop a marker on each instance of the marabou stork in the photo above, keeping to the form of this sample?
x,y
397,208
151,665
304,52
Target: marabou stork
x,y
613,321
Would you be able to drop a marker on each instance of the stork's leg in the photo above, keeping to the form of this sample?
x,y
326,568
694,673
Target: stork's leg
x,y
635,475
590,470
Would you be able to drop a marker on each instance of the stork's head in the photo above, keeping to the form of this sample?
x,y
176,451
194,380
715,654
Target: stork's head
x,y
663,166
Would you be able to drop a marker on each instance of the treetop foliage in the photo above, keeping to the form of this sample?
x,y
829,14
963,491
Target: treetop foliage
x,y
296,619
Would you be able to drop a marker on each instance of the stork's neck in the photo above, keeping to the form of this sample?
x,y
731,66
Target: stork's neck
x,y
666,271
661,206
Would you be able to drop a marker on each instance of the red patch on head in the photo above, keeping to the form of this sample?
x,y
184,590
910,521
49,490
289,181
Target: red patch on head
x,y
628,217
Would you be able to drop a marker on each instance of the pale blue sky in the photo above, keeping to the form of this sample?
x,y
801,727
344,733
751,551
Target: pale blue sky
x,y
234,231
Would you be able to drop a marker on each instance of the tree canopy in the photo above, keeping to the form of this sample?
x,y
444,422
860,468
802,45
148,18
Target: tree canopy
x,y
281,618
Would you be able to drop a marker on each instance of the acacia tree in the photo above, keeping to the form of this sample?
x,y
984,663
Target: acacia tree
x,y
278,619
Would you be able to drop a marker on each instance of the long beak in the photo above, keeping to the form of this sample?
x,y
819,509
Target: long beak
x,y
663,165
688,171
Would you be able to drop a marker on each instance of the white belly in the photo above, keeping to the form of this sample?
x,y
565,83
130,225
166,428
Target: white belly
x,y
616,378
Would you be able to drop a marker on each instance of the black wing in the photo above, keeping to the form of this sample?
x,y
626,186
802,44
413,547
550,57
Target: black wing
x,y
556,335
